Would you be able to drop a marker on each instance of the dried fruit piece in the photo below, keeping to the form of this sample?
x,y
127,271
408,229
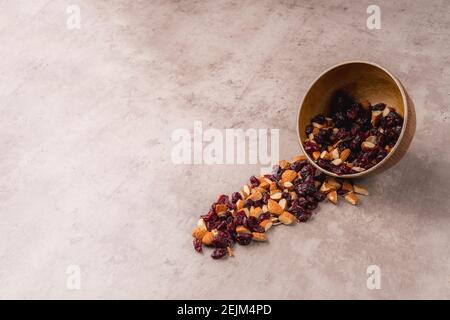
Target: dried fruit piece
x,y
360,190
259,236
332,196
286,218
219,253
376,115
300,157
274,207
220,209
352,198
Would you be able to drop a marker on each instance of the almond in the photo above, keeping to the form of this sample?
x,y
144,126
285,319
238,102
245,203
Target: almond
x,y
198,233
344,154
358,169
242,229
201,224
255,212
273,186
294,195
325,155
352,198
275,221
283,203
283,164
347,186
246,190
286,218
276,196
317,125
311,136
266,224
239,204
288,185
316,155
367,146
259,236
325,188
386,111
315,131
264,208
360,190
335,153
274,207
298,158
372,139
337,162
221,209
264,185
376,115
255,196
208,238
332,182
332,196
288,176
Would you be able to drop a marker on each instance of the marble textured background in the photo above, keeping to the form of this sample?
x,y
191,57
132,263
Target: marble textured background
x,y
86,173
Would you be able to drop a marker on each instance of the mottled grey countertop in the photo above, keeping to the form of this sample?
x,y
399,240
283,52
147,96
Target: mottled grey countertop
x,y
89,191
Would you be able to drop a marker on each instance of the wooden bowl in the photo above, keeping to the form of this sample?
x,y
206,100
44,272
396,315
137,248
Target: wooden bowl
x,y
362,81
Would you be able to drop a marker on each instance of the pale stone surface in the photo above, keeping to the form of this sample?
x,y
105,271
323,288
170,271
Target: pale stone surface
x,y
87,178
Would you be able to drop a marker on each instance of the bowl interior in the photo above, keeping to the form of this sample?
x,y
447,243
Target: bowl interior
x,y
360,80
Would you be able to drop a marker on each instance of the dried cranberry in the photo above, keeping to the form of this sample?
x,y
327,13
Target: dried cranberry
x,y
320,119
198,245
304,217
264,216
310,147
306,188
244,239
235,197
309,129
240,219
223,199
254,181
219,253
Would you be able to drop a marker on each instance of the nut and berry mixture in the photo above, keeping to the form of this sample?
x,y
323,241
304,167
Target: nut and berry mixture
x,y
288,195
354,137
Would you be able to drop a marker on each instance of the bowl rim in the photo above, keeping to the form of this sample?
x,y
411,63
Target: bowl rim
x,y
405,120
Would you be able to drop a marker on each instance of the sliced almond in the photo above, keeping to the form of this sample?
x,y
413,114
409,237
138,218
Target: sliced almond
x,y
259,236
372,139
344,154
368,146
332,182
288,175
273,186
325,188
246,190
275,221
276,195
388,148
335,153
337,162
221,209
208,238
286,218
298,158
201,224
266,224
311,136
332,196
360,190
315,131
274,207
325,155
283,203
288,185
358,169
317,125
376,116
246,211
242,229
352,198
255,196
347,186
386,111
198,233
316,155
255,212
293,195
265,209
335,130
264,185
239,204
283,164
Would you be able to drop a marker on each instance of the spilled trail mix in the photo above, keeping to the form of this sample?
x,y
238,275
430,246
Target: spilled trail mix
x,y
290,194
